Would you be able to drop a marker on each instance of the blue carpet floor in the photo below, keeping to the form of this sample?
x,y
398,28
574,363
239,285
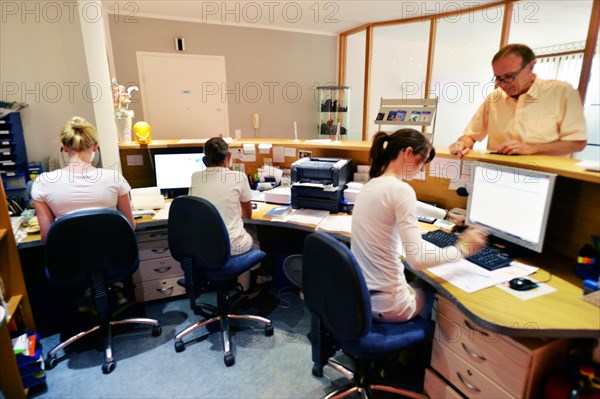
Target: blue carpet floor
x,y
278,366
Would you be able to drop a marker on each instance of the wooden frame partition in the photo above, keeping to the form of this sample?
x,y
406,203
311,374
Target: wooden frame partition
x,y
592,38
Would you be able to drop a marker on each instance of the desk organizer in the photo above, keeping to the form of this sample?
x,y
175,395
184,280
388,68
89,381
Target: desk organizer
x,y
32,367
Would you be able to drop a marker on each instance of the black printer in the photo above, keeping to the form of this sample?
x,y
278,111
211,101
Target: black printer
x,y
319,183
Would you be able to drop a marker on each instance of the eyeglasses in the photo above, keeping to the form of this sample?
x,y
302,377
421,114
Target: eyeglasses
x,y
508,78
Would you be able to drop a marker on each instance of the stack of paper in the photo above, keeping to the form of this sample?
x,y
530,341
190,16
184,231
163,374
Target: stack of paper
x,y
147,198
279,195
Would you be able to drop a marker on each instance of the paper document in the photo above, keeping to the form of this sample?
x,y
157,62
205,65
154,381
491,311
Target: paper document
x,y
470,278
336,224
307,216
163,214
325,187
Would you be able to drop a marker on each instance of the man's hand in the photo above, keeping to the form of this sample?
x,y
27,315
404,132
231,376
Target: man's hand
x,y
513,147
460,147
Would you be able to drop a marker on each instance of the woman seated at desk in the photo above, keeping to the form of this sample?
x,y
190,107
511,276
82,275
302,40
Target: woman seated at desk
x,y
384,226
230,193
80,185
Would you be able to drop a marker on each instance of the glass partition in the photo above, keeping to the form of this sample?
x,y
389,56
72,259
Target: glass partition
x,y
591,109
556,31
355,78
398,67
462,71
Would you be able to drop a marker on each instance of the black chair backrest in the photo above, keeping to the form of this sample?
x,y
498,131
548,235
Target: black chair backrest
x,y
197,232
88,241
334,287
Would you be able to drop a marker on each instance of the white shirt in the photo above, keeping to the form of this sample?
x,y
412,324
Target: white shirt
x,y
66,192
225,189
385,227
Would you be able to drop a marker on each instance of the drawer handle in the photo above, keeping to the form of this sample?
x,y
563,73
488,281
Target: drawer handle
x,y
472,327
154,235
470,386
472,354
164,290
163,269
160,250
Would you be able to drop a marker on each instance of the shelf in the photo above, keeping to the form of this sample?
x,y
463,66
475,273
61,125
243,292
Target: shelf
x,y
12,306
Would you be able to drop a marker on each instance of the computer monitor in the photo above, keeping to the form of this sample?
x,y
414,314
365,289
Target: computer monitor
x,y
511,203
174,171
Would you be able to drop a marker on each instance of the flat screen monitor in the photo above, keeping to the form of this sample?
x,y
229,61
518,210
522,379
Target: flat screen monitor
x,y
512,204
174,171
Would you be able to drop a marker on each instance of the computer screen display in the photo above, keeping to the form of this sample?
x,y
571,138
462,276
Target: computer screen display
x,y
511,203
174,171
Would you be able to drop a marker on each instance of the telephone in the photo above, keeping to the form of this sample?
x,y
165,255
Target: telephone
x,y
255,121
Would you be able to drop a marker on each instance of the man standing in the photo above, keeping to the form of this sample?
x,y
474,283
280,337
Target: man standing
x,y
525,115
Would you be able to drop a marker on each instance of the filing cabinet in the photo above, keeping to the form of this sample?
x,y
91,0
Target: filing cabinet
x,y
13,158
482,364
157,275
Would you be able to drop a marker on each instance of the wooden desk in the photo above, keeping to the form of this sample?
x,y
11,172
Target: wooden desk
x,y
559,314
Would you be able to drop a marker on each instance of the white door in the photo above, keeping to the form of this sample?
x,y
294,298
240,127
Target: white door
x,y
183,95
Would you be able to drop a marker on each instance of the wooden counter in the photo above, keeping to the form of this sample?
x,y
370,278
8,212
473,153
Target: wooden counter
x,y
574,217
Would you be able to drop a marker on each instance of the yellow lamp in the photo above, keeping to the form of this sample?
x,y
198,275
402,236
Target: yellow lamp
x,y
142,132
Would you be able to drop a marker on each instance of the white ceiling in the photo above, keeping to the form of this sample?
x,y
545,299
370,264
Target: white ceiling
x,y
322,17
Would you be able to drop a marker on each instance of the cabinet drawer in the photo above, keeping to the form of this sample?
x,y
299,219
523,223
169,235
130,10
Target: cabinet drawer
x,y
464,376
472,334
436,388
158,289
154,249
155,269
495,358
151,235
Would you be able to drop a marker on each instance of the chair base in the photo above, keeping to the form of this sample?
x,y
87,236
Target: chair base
x,y
363,387
109,363
228,356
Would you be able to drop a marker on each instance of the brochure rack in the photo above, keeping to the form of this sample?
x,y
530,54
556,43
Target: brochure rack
x,y
408,112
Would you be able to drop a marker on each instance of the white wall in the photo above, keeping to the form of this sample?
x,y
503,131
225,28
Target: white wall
x,y
42,63
273,73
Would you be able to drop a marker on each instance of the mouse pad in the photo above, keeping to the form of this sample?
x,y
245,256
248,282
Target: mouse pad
x,y
542,289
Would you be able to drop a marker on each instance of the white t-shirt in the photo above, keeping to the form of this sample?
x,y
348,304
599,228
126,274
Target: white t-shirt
x,y
66,192
385,227
225,189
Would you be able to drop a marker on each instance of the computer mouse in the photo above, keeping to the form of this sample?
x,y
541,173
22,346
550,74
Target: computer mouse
x,y
522,284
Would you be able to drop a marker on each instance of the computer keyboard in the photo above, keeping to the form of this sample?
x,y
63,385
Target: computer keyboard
x,y
440,238
488,258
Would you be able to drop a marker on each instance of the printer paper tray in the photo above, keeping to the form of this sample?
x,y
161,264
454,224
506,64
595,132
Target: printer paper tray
x,y
316,203
308,192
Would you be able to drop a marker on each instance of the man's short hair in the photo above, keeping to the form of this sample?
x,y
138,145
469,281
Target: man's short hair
x,y
517,49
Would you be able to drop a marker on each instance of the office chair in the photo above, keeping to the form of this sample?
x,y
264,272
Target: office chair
x,y
97,248
199,240
336,294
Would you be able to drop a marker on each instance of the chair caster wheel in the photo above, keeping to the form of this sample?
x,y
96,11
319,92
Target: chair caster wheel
x,y
50,363
108,368
179,346
229,360
156,331
317,372
269,330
